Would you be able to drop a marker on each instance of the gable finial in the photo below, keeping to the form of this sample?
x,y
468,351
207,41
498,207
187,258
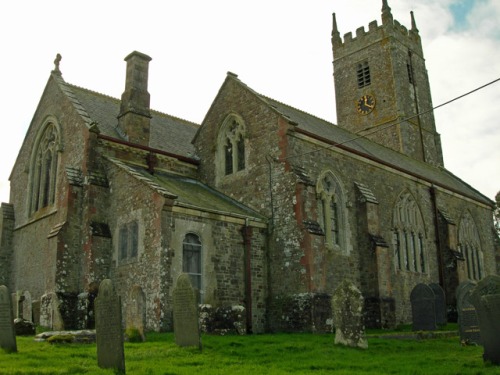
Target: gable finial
x,y
413,23
387,18
57,61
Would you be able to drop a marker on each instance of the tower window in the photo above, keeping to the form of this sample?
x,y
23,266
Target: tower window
x,y
410,72
363,74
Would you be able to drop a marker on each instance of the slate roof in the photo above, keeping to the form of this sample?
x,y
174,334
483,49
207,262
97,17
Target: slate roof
x,y
188,192
168,133
175,135
350,141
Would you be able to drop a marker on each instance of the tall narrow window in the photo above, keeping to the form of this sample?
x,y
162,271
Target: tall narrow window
x,y
469,246
43,171
231,144
331,197
128,242
363,74
191,259
408,226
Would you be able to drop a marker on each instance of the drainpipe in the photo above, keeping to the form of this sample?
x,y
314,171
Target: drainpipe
x,y
247,243
438,238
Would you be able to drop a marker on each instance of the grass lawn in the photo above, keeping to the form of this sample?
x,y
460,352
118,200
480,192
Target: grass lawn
x,y
255,354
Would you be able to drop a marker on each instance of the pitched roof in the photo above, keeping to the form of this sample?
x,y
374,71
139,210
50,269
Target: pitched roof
x,y
167,133
339,137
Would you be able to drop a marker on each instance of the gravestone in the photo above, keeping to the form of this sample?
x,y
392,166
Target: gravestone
x,y
489,321
423,308
7,332
486,299
109,333
186,324
50,315
136,311
468,322
26,307
347,310
439,304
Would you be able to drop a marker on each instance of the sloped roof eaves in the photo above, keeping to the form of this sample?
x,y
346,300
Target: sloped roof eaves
x,y
189,192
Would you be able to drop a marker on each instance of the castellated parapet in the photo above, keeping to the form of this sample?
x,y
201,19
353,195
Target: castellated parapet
x,y
376,33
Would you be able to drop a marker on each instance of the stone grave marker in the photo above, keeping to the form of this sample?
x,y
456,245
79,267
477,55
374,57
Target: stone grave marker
x,y
486,299
468,323
489,321
347,310
186,324
423,308
136,313
439,304
109,332
7,332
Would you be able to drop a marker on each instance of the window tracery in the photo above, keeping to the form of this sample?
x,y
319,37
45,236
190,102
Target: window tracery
x,y
43,171
408,235
231,140
469,246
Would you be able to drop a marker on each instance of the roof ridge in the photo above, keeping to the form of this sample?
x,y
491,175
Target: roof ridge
x,y
297,109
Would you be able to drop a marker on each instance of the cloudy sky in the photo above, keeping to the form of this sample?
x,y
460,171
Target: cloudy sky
x,y
280,48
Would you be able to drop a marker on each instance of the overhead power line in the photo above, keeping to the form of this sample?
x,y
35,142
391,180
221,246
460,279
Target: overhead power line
x,y
386,126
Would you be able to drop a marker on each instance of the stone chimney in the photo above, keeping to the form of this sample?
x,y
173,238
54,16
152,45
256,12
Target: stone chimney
x,y
135,116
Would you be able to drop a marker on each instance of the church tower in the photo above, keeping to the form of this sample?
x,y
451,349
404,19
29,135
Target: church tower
x,y
382,87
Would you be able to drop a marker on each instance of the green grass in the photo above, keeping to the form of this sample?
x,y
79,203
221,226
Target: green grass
x,y
255,354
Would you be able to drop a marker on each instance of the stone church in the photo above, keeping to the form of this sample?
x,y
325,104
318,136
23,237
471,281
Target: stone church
x,y
266,207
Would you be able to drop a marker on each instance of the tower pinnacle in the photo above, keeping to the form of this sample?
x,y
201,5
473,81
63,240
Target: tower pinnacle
x,y
387,18
413,23
335,32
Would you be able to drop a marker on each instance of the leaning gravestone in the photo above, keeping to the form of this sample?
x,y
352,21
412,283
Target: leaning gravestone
x,y
109,333
347,310
439,304
186,324
423,308
486,298
7,332
468,322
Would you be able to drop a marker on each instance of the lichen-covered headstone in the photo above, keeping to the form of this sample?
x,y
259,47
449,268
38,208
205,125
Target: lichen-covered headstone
x,y
136,311
186,324
347,309
486,298
423,308
468,322
7,332
109,332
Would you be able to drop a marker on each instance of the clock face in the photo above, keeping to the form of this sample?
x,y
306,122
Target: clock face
x,y
365,104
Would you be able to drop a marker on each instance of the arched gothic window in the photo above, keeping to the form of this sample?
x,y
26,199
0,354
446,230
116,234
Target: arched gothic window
x,y
43,171
231,141
191,259
409,235
332,207
469,246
